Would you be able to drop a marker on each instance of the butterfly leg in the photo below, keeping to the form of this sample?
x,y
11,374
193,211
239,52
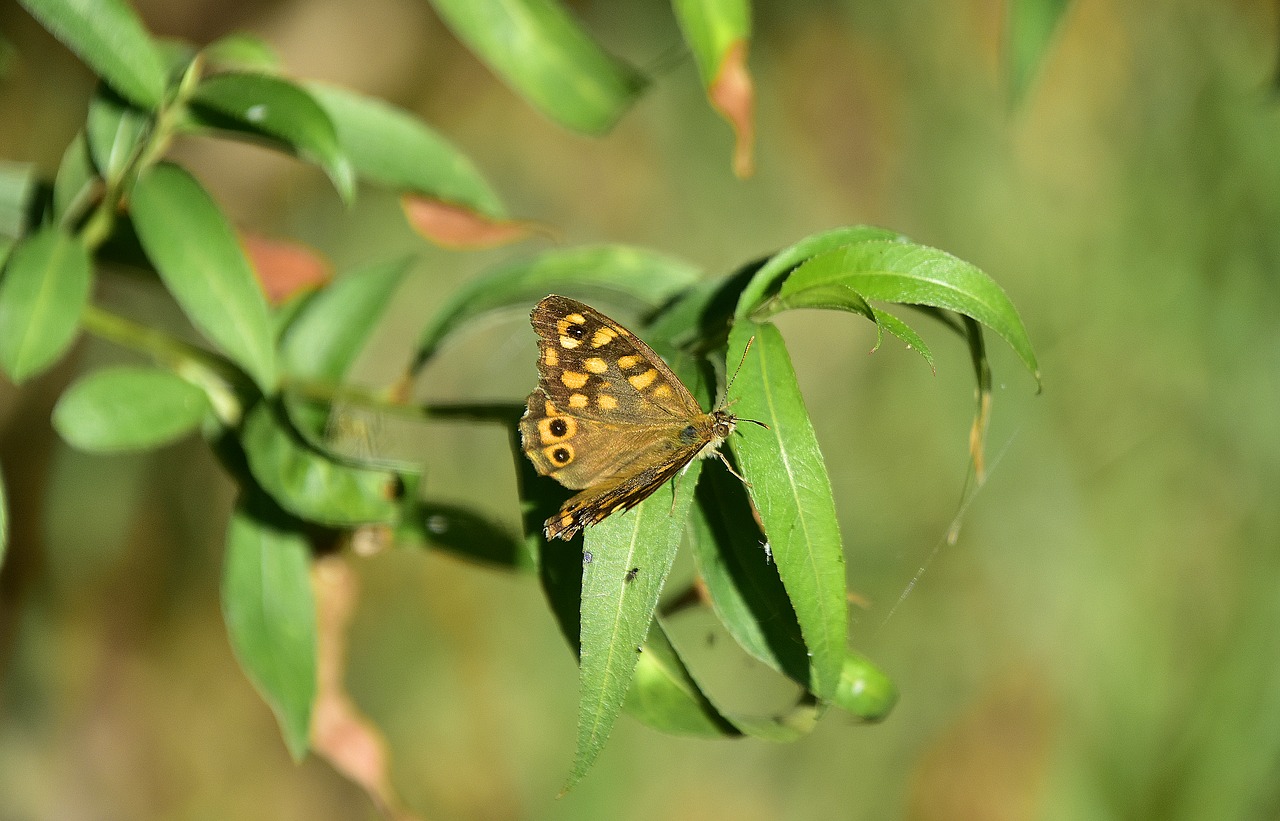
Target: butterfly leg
x,y
728,466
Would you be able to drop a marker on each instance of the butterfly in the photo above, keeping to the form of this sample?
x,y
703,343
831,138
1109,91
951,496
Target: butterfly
x,y
608,417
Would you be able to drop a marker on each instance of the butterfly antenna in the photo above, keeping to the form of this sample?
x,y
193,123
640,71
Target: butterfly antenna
x,y
741,362
729,385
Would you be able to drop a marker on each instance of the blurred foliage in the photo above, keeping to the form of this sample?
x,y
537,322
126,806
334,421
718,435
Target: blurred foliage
x,y
1099,643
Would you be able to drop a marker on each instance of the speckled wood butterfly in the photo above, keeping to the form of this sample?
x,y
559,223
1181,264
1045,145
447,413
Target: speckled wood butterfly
x,y
608,416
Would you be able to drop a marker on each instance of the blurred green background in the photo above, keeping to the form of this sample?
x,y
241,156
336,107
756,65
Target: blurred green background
x,y
1102,641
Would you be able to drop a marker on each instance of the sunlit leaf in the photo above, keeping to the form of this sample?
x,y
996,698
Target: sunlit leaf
x,y
792,493
199,257
129,408
632,555
768,277
735,563
44,288
904,272
542,52
270,613
110,38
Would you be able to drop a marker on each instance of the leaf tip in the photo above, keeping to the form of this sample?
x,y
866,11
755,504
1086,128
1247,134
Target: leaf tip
x,y
459,227
732,95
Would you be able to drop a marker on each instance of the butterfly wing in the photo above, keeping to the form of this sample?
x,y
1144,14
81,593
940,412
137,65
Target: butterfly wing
x,y
594,368
608,414
601,501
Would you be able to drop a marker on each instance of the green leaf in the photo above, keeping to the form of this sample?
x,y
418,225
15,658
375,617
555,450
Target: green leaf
x,y
718,32
768,278
665,696
270,613
114,129
45,287
710,27
610,271
1032,25
916,275
274,109
616,612
308,483
546,57
128,408
201,262
332,328
741,580
241,51
111,40
17,184
393,148
865,691
792,493
76,183
843,298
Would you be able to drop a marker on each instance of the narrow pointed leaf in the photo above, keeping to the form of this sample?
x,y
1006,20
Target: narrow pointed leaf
x,y
269,608
17,184
792,493
1032,25
665,696
843,298
44,288
111,40
75,183
541,51
914,274
330,330
242,52
632,274
129,408
769,277
393,148
718,32
272,108
616,612
113,128
201,262
308,483
741,579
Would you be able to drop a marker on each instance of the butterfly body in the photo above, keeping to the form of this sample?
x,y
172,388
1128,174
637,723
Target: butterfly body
x,y
608,417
